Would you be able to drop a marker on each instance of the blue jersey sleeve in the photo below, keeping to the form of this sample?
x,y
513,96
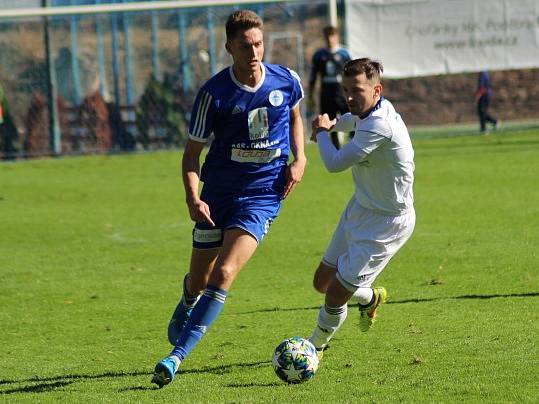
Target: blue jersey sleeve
x,y
202,116
296,95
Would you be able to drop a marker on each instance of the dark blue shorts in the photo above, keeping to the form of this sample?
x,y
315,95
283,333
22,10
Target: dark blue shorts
x,y
252,211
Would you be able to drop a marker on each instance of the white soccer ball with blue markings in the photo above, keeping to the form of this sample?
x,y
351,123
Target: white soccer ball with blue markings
x,y
295,360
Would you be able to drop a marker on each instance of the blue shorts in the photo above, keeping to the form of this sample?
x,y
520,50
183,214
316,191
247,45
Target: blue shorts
x,y
252,211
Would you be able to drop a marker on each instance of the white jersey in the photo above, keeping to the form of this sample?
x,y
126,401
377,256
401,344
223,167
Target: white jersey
x,y
381,157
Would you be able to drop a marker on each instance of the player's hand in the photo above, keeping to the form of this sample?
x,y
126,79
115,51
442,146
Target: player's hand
x,y
200,212
321,123
294,174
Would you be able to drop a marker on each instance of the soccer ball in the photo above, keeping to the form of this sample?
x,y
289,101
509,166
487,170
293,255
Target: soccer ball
x,y
295,360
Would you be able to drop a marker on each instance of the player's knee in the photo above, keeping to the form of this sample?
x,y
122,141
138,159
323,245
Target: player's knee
x,y
319,287
319,283
223,276
322,277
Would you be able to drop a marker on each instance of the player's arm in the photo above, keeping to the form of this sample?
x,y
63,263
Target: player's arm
x,y
296,169
200,128
352,153
198,209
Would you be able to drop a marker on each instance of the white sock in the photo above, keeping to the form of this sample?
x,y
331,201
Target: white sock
x,y
363,296
330,320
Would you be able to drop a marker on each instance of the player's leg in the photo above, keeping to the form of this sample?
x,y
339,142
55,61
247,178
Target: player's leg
x,y
238,247
323,276
331,315
334,311
373,240
202,262
489,118
206,243
253,215
245,228
325,272
481,112
369,298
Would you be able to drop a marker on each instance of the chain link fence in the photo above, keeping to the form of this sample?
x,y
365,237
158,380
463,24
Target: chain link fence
x,y
125,81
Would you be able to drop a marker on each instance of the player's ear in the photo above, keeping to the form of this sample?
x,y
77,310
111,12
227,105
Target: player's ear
x,y
378,89
227,47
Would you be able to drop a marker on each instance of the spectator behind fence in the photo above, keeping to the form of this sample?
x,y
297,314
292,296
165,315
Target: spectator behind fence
x,y
483,96
8,130
328,63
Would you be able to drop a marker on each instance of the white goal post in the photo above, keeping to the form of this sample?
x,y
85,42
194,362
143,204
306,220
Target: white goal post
x,y
123,7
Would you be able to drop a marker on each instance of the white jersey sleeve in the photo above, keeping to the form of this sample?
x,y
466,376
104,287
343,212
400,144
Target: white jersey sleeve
x,y
365,141
346,123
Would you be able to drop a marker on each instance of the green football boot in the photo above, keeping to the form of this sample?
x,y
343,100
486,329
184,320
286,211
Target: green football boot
x,y
367,315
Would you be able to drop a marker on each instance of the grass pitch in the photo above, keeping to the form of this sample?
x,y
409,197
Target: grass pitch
x,y
93,250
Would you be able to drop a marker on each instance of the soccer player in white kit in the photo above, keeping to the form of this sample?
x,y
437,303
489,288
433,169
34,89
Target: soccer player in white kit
x,y
380,216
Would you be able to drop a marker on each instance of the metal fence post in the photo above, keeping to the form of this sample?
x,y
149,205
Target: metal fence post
x,y
115,57
211,41
156,67
52,95
74,51
184,54
103,89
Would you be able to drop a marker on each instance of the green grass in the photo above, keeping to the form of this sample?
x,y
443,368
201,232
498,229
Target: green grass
x,y
93,249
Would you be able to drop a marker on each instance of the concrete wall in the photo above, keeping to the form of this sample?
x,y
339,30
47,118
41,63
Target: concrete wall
x,y
449,99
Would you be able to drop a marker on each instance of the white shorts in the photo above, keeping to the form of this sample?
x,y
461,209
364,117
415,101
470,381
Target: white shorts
x,y
364,242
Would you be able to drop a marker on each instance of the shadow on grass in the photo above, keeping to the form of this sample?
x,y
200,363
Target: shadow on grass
x,y
251,384
140,388
416,300
38,388
47,384
482,297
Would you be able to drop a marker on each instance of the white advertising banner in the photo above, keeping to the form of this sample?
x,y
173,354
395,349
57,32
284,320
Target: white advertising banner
x,y
427,37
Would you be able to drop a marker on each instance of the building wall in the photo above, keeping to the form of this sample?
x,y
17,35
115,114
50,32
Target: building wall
x,y
449,99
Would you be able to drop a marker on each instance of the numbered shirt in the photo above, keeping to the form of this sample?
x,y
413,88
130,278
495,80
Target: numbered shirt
x,y
251,127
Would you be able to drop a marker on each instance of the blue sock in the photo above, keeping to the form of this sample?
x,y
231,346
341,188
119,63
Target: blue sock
x,y
204,314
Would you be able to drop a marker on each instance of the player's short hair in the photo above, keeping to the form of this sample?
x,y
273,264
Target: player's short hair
x,y
242,20
330,30
372,68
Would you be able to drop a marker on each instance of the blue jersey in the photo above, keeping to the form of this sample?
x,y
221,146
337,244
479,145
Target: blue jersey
x,y
251,128
329,65
484,85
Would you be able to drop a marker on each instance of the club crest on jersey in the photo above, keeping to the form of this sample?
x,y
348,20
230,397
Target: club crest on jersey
x,y
276,98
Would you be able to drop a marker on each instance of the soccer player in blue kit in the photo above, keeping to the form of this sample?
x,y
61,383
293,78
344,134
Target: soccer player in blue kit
x,y
252,108
328,63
